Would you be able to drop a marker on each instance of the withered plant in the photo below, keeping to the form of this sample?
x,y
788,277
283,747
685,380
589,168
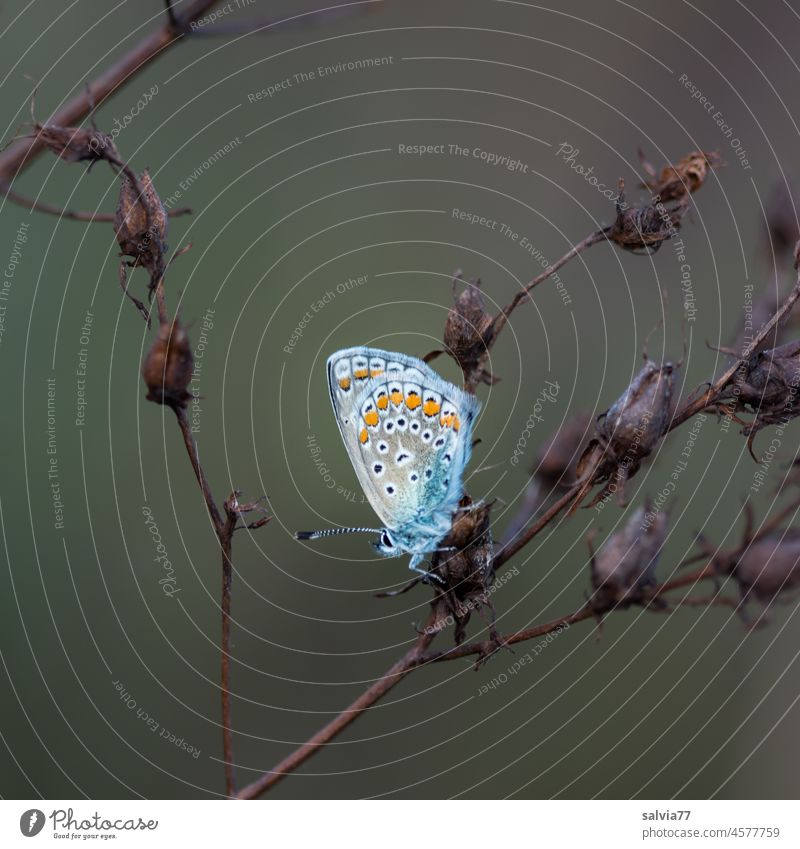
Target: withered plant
x,y
761,381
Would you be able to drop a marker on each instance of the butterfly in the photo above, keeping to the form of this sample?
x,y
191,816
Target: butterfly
x,y
408,434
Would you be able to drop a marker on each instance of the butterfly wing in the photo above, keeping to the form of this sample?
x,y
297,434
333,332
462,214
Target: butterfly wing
x,y
408,433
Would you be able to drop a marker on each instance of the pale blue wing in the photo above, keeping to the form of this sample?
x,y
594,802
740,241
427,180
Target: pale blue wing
x,y
408,433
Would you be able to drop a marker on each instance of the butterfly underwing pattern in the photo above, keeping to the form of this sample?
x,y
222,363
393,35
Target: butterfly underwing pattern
x,y
408,434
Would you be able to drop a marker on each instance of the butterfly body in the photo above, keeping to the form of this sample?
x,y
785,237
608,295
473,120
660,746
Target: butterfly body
x,y
408,434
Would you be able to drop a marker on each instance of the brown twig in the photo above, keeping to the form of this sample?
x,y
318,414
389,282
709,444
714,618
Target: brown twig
x,y
72,214
485,648
391,678
20,154
226,544
522,539
706,398
502,317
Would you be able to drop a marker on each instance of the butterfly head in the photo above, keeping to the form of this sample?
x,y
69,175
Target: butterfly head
x,y
387,545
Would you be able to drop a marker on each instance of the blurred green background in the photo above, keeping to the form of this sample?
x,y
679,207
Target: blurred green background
x,y
314,193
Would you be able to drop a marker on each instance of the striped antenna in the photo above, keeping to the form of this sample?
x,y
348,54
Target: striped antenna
x,y
332,532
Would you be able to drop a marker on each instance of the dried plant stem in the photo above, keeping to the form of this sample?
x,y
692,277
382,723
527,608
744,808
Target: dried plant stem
x,y
19,155
502,318
393,676
191,450
418,656
226,545
706,398
522,539
72,214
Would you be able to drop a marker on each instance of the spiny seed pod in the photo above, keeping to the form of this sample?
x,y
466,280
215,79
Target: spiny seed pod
x,y
466,331
76,144
644,228
676,182
769,386
766,568
630,429
141,224
624,567
168,366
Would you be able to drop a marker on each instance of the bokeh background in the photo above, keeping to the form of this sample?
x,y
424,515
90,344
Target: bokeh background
x,y
313,192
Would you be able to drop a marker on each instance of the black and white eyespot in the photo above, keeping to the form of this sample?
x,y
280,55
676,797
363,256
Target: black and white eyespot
x,y
446,458
427,436
378,469
390,490
428,474
403,457
438,443
414,477
389,425
415,427
383,448
401,423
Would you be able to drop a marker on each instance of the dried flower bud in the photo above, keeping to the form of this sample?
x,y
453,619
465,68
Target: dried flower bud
x,y
466,571
782,218
769,566
168,366
467,332
624,567
630,429
557,460
645,227
76,144
141,224
676,182
769,386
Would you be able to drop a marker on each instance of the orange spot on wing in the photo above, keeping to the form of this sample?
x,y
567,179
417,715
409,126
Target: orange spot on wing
x,y
456,423
363,437
447,421
371,418
431,408
376,372
397,398
344,383
382,402
361,373
413,401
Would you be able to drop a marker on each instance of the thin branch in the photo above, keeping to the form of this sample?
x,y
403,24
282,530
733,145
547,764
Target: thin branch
x,y
503,316
703,400
73,214
486,648
226,544
20,154
191,450
391,678
522,539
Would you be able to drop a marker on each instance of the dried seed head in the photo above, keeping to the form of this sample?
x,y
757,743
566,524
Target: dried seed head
x,y
467,570
769,566
768,385
76,144
646,227
467,331
783,227
676,182
557,460
630,429
168,366
141,224
624,567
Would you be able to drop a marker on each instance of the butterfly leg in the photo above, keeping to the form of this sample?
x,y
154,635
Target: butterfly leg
x,y
416,559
